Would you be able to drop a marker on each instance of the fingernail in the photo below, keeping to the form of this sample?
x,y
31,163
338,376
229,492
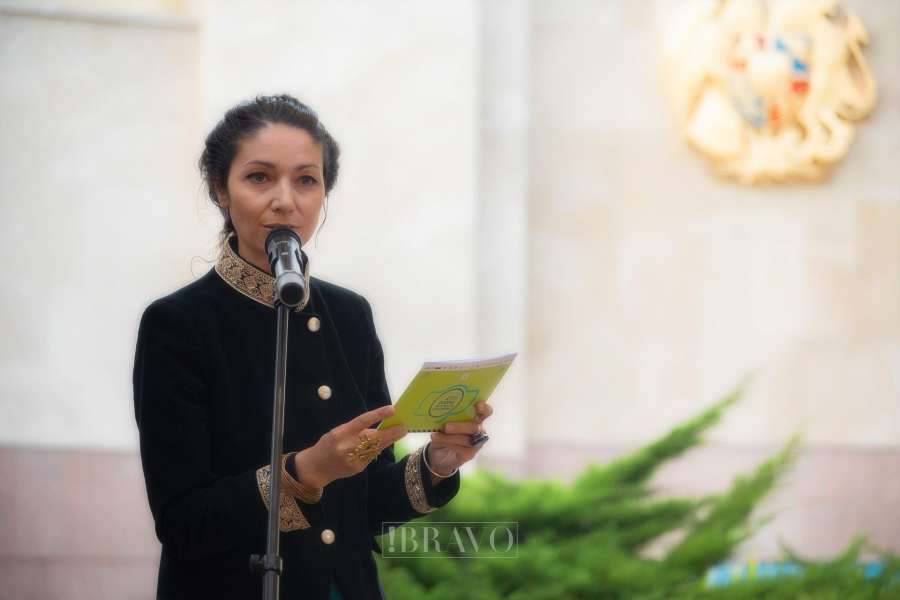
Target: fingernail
x,y
478,439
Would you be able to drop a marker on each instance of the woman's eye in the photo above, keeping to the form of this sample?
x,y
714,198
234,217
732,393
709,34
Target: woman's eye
x,y
257,177
308,180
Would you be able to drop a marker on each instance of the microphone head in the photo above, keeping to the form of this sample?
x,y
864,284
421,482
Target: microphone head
x,y
291,289
288,264
276,236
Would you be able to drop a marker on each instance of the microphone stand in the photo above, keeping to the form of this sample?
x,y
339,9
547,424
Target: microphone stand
x,y
270,565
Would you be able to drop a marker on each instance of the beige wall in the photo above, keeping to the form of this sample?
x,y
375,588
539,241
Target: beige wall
x,y
676,283
512,180
100,128
116,104
655,287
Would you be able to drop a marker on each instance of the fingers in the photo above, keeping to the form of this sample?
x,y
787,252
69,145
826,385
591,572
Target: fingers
x,y
466,427
483,410
478,440
367,419
372,442
387,436
448,439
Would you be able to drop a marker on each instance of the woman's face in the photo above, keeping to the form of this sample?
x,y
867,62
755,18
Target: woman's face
x,y
276,179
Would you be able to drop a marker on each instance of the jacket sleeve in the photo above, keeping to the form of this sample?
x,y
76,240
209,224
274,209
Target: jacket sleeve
x,y
398,490
197,511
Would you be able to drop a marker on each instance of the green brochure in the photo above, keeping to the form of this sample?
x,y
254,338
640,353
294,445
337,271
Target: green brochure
x,y
447,391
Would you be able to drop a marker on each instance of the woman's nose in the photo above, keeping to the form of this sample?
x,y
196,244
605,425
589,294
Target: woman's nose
x,y
283,199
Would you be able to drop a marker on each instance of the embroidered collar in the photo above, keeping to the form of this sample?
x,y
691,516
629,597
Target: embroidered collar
x,y
249,280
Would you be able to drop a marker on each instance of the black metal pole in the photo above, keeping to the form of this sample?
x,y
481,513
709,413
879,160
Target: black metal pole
x,y
270,564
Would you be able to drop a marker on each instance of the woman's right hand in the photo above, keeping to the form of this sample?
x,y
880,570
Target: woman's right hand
x,y
330,458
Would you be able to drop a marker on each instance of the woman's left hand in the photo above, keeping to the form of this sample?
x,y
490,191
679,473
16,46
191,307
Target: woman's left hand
x,y
452,447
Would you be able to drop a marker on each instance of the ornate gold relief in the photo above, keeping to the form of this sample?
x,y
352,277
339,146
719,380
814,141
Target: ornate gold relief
x,y
768,91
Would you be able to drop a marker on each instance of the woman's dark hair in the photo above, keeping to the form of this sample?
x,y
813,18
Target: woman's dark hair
x,y
245,119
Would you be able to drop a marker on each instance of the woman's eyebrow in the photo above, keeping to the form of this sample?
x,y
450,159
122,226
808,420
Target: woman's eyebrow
x,y
272,166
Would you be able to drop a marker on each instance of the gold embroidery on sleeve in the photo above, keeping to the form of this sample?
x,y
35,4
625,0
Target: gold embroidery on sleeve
x,y
415,489
290,517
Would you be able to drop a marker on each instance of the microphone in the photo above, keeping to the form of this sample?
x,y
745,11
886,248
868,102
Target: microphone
x,y
288,264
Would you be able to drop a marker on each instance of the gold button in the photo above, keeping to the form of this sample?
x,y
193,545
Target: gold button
x,y
324,392
328,536
313,324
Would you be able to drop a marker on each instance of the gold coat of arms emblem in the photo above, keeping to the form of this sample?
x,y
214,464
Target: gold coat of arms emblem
x,y
768,91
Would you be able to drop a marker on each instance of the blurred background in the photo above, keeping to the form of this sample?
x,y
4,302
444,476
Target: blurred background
x,y
513,179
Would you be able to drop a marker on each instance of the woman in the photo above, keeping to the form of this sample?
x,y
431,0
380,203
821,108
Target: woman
x,y
203,377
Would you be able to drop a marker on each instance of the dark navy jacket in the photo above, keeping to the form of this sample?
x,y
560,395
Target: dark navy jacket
x,y
203,376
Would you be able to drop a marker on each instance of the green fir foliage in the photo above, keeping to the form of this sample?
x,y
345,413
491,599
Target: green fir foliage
x,y
586,540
